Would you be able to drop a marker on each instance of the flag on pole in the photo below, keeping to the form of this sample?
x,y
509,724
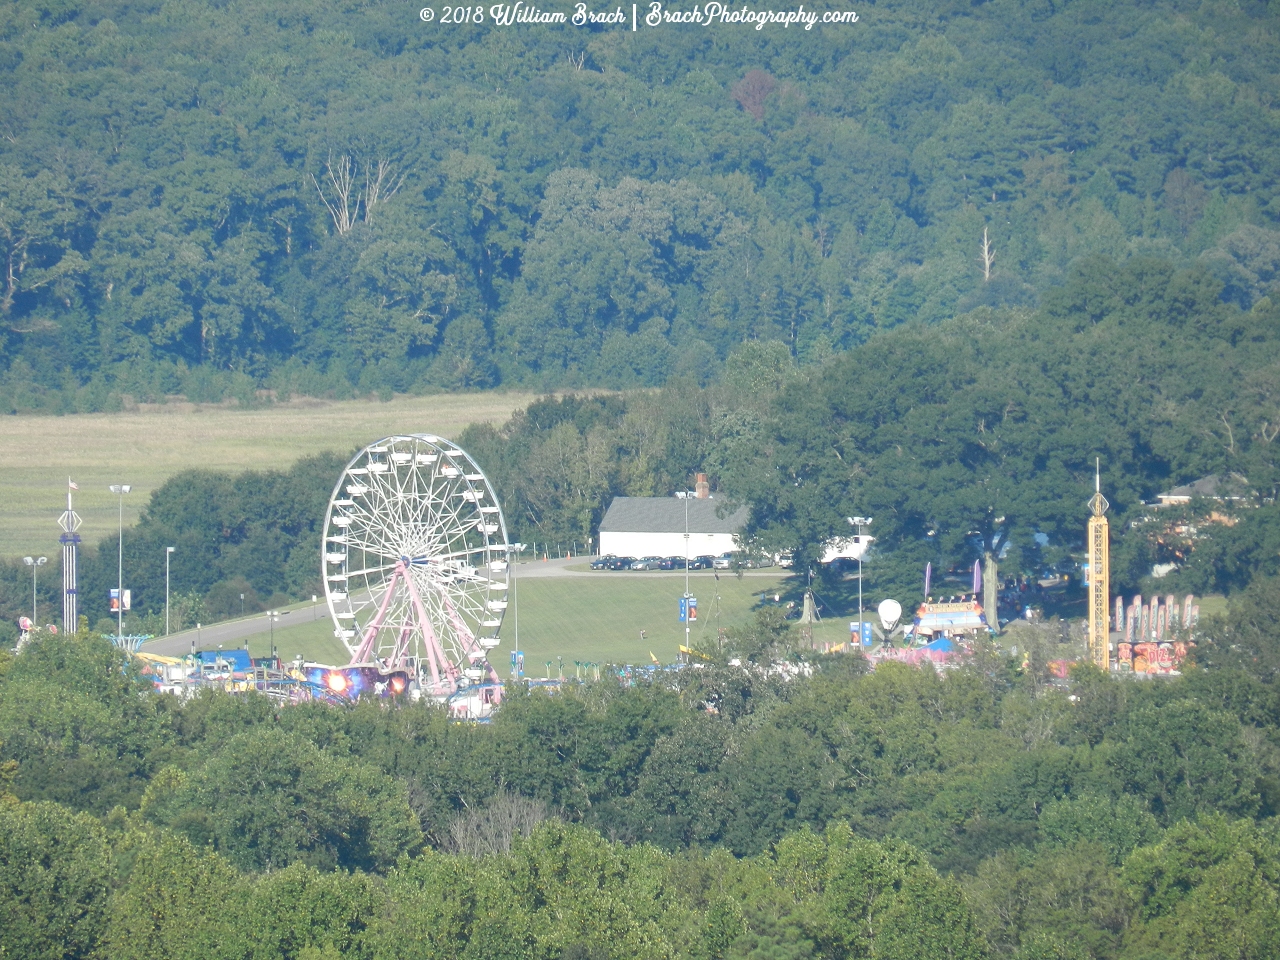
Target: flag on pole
x,y
928,578
72,484
977,578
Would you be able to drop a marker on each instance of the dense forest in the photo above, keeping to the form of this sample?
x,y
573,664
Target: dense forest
x,y
210,199
722,812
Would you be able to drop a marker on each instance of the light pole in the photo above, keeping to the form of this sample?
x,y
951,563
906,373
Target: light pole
x,y
859,523
686,569
168,551
35,563
120,489
273,616
515,598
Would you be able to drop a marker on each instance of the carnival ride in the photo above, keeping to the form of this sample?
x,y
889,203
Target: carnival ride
x,y
416,566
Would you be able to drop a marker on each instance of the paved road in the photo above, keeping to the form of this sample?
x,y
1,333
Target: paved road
x,y
231,633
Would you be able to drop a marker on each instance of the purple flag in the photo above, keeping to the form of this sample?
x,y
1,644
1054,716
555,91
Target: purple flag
x,y
928,578
977,578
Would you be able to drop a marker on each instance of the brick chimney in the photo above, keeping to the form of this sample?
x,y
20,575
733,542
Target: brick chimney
x,y
702,488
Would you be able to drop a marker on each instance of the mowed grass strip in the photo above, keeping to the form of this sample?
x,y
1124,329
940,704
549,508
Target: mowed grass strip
x,y
145,446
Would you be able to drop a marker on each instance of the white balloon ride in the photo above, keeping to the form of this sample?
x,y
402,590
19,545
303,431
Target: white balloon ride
x,y
416,566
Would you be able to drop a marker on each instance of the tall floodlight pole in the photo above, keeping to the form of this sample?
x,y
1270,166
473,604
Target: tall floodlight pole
x,y
1099,574
35,563
120,489
168,552
686,569
517,549
70,540
859,523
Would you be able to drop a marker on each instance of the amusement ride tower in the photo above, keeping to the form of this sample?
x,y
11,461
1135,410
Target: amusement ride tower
x,y
70,540
1099,574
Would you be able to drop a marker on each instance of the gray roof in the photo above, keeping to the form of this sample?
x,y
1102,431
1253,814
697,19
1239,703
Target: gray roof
x,y
666,515
1231,487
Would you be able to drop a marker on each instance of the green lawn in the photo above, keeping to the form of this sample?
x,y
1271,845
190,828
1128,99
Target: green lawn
x,y
599,619
591,619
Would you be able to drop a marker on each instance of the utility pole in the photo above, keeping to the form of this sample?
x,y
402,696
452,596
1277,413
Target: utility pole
x,y
120,489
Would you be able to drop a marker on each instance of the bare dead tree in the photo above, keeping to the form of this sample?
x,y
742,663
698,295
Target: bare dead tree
x,y
17,263
342,178
579,60
987,257
288,233
1231,434
752,91
491,830
350,205
379,187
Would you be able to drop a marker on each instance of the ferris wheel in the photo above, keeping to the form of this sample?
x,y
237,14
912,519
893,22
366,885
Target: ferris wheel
x,y
416,563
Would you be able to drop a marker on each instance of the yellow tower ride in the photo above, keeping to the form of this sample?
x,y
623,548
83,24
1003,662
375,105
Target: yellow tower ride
x,y
1099,575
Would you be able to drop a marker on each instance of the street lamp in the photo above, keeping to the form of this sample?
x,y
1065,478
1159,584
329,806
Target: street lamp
x,y
273,616
120,489
35,563
859,523
168,551
518,549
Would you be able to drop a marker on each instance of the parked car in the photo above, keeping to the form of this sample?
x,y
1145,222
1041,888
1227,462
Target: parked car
x,y
602,563
621,563
703,562
647,563
677,563
665,563
724,561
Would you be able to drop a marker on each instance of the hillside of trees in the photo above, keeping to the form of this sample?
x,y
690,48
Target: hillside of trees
x,y
714,813
975,435
210,199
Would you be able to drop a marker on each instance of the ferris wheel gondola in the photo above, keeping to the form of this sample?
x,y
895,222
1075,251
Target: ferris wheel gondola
x,y
415,561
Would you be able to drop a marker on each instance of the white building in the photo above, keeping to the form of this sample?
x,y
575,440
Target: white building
x,y
655,527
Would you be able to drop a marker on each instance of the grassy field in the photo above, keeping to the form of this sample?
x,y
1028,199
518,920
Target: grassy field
x,y
599,619
588,618
145,446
